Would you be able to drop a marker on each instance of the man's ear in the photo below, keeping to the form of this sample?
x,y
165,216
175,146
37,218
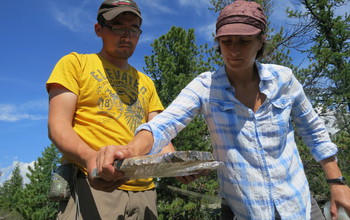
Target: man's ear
x,y
98,29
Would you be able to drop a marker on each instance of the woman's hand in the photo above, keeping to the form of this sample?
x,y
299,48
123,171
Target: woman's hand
x,y
340,197
190,178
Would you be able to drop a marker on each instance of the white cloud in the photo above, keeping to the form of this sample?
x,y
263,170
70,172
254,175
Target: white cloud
x,y
207,32
5,80
76,18
40,105
153,9
156,6
146,38
6,173
198,4
14,113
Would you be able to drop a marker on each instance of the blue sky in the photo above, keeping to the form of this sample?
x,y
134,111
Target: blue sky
x,y
36,34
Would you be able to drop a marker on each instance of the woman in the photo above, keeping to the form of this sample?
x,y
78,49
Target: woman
x,y
248,108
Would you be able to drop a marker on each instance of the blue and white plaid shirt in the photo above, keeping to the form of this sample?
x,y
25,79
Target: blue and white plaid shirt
x,y
263,169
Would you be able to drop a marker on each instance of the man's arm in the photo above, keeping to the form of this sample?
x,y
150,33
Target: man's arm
x,y
140,145
340,194
62,108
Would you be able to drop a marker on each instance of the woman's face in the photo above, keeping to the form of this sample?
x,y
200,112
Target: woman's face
x,y
239,52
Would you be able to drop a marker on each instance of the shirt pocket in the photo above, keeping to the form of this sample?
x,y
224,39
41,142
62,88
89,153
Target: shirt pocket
x,y
282,103
223,114
279,117
223,106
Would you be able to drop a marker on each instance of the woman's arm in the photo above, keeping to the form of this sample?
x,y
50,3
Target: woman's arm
x,y
340,193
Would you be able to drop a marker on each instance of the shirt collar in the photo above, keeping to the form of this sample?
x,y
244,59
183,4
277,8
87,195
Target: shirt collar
x,y
264,74
222,79
268,84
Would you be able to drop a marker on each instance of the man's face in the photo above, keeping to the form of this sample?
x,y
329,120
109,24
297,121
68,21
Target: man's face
x,y
120,35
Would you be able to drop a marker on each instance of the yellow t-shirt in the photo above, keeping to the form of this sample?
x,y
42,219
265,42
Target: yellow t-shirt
x,y
112,102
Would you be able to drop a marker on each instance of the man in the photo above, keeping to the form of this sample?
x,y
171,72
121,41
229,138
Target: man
x,y
98,100
249,107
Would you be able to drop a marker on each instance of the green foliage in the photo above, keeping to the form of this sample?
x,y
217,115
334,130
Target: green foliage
x,y
197,200
342,117
342,139
9,215
34,203
314,172
327,80
329,71
11,189
10,195
175,61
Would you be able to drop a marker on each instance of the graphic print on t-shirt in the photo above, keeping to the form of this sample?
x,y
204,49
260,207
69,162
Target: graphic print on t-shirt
x,y
118,93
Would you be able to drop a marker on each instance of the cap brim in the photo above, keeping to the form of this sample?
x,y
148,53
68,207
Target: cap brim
x,y
237,29
117,11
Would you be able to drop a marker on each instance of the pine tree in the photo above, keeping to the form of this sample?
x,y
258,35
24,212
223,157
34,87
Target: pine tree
x,y
327,79
35,204
10,195
175,61
329,50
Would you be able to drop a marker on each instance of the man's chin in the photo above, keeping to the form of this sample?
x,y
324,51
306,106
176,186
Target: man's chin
x,y
124,55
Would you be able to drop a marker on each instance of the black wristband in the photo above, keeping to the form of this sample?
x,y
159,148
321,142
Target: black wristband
x,y
340,180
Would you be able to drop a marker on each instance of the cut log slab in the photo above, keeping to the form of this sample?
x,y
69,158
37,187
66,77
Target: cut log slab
x,y
172,164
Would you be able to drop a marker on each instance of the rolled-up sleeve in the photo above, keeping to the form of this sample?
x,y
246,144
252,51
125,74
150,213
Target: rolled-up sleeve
x,y
310,126
166,125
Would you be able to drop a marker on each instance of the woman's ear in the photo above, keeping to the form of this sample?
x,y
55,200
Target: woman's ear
x,y
262,41
98,29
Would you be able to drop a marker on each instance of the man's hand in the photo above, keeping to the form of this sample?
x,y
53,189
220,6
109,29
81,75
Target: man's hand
x,y
109,178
